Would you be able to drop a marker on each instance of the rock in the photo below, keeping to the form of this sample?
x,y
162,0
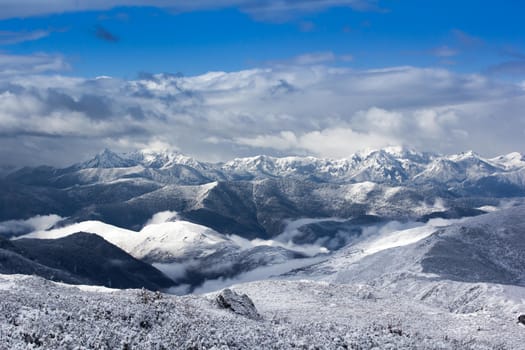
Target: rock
x,y
239,304
521,319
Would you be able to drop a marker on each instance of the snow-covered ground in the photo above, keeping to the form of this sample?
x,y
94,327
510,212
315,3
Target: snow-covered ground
x,y
444,284
36,313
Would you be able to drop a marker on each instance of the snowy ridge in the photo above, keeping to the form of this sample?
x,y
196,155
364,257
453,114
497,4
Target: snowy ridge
x,y
165,241
391,165
487,248
511,161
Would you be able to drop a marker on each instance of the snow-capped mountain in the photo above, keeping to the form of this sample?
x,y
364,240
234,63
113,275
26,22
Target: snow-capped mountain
x,y
374,250
106,160
301,204
254,196
458,168
393,165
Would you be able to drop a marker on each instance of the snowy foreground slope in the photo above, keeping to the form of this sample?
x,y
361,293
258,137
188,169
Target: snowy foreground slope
x,y
459,286
36,313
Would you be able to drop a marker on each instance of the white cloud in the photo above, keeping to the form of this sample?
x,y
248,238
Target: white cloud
x,y
341,142
433,122
292,109
161,217
378,120
332,142
9,37
260,273
283,141
262,9
36,223
31,64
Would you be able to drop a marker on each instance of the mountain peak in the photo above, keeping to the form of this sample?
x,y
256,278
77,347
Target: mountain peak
x,y
107,159
163,158
465,155
149,158
398,152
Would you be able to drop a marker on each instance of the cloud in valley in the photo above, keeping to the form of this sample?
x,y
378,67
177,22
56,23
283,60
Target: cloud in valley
x,y
36,223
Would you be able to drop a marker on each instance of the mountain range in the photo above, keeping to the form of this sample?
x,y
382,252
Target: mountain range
x,y
391,165
127,189
226,219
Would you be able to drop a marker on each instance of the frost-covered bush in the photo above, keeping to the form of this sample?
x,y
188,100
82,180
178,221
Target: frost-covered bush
x,y
37,314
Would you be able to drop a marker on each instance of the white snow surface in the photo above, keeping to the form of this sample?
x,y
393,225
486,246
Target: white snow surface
x,y
35,313
174,238
511,161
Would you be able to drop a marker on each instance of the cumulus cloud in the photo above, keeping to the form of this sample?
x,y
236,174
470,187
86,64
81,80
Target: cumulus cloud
x,y
309,109
338,142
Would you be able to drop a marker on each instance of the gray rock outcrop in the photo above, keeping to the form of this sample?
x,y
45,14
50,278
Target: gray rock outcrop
x,y
240,304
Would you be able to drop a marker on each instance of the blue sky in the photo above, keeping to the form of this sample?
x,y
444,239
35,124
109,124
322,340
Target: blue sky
x,y
464,36
322,78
